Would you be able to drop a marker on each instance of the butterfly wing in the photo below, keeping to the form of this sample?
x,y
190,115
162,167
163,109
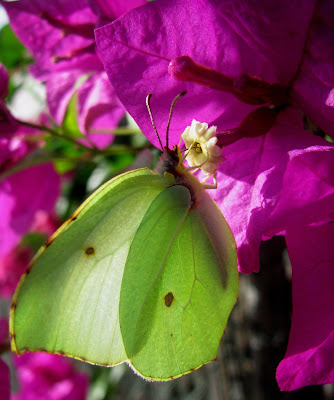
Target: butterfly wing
x,y
179,286
68,300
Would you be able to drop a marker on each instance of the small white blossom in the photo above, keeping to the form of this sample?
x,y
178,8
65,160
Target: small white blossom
x,y
200,140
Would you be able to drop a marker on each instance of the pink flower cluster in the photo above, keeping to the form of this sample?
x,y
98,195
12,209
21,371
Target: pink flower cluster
x,y
47,376
254,69
60,36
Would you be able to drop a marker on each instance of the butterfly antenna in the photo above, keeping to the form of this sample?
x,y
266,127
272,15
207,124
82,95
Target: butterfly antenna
x,y
171,112
148,97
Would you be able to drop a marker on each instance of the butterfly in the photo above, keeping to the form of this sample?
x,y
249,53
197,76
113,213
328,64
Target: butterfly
x,y
143,272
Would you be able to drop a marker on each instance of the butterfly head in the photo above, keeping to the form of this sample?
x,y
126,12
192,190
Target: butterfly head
x,y
201,150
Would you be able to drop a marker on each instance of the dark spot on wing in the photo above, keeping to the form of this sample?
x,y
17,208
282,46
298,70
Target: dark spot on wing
x,y
90,251
169,299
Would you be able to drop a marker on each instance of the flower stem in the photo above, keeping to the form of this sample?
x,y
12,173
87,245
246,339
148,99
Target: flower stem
x,y
54,133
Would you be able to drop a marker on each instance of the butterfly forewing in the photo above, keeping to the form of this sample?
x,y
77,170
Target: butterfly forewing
x,y
68,302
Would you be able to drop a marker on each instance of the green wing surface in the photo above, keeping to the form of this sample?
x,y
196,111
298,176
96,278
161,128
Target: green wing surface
x,y
179,286
68,300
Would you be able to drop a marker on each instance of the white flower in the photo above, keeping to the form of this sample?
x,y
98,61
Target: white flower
x,y
202,151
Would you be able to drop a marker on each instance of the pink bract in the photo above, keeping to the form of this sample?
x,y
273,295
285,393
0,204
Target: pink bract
x,y
272,181
14,263
60,36
310,353
4,370
4,381
24,193
12,266
47,376
21,196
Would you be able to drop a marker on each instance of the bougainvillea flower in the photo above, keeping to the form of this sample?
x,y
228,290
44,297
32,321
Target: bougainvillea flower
x,y
47,376
4,370
238,40
12,266
247,72
60,36
24,193
15,262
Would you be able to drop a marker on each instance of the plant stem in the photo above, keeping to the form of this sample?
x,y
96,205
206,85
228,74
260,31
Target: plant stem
x,y
54,133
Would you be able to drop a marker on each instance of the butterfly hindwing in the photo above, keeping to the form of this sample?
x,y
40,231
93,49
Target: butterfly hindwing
x,y
179,285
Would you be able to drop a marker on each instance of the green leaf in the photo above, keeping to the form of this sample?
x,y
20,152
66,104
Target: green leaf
x,y
12,51
34,240
70,122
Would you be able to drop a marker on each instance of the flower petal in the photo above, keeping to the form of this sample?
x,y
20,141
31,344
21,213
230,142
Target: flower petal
x,y
313,88
310,353
21,196
259,173
52,29
49,376
4,381
112,9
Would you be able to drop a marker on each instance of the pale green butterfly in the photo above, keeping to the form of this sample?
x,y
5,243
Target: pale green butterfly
x,y
144,271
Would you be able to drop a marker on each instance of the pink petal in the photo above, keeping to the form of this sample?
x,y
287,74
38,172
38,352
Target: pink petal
x,y
4,381
47,376
112,9
52,28
307,194
21,196
4,331
12,266
314,85
310,353
251,183
100,110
